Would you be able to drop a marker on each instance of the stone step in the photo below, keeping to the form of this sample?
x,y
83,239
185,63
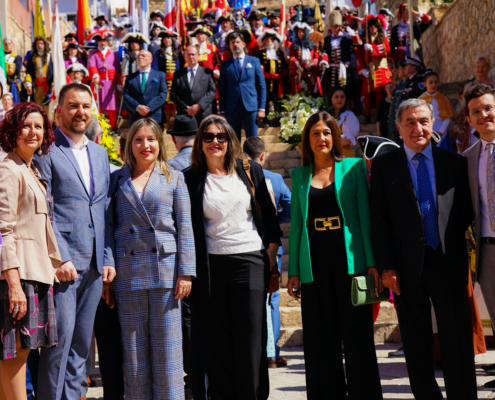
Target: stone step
x,y
287,301
290,337
290,317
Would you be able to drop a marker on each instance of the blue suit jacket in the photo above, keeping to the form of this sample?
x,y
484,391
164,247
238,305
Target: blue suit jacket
x,y
154,241
282,198
154,95
182,160
249,86
78,220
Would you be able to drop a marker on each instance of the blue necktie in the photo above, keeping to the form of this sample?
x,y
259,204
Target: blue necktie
x,y
490,184
427,204
238,65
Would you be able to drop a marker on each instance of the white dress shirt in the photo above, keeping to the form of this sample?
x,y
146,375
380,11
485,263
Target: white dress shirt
x,y
241,59
81,154
189,69
486,230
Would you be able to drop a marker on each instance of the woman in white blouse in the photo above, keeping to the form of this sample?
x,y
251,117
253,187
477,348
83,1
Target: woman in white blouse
x,y
237,236
346,120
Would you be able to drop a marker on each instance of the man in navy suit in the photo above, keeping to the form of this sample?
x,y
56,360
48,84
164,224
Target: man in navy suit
x,y
145,91
254,147
242,90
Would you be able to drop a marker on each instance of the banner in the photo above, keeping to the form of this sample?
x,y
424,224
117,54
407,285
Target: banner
x,y
83,19
39,19
59,75
144,19
3,67
170,15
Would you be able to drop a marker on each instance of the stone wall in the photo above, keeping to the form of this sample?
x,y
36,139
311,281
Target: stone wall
x,y
456,38
21,38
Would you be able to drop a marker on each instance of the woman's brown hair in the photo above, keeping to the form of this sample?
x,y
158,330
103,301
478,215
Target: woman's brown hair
x,y
234,151
308,157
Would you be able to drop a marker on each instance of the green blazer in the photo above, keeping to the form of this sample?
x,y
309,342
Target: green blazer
x,y
351,185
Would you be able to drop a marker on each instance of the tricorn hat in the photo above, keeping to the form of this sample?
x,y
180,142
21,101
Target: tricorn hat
x,y
274,14
101,35
135,37
157,13
227,17
256,14
269,33
77,67
70,36
102,16
184,125
169,34
374,146
200,29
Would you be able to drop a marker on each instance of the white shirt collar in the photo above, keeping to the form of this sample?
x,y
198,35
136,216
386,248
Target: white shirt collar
x,y
104,52
73,145
145,71
427,152
195,68
241,57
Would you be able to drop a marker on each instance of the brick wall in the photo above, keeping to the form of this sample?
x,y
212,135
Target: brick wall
x,y
464,31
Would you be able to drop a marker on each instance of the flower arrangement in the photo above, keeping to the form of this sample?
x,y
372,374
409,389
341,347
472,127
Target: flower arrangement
x,y
107,141
297,109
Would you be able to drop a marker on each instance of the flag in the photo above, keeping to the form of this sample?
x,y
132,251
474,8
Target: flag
x,y
170,15
3,67
319,24
83,19
39,19
144,20
180,23
59,75
133,15
220,9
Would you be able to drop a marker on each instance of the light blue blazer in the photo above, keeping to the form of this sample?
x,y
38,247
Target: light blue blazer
x,y
154,241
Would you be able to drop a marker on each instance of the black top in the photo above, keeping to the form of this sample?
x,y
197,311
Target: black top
x,y
382,116
327,246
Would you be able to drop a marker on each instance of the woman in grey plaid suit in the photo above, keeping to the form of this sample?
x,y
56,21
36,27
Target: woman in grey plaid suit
x,y
155,262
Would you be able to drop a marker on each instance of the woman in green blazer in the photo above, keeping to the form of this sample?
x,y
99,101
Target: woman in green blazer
x,y
329,244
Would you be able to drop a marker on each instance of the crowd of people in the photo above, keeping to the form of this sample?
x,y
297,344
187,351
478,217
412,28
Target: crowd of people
x,y
174,264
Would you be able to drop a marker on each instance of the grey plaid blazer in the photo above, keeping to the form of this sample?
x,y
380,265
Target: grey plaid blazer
x,y
154,241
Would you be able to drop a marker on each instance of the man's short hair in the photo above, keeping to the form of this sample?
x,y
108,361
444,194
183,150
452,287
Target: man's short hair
x,y
234,35
79,87
182,141
254,147
411,103
476,92
93,129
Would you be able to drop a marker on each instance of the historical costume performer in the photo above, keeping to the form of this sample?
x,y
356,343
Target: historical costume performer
x,y
39,72
155,40
274,65
209,57
74,54
256,20
135,42
303,61
168,59
101,23
372,64
13,63
336,57
120,24
219,39
104,70
400,32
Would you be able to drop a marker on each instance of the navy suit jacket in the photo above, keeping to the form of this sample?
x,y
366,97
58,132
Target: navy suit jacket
x,y
249,86
78,220
154,95
282,198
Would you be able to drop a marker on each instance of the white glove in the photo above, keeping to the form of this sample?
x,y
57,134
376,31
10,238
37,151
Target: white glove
x,y
368,47
216,72
364,72
323,65
350,31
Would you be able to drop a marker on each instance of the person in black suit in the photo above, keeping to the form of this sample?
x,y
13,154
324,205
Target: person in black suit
x,y
420,209
193,88
145,91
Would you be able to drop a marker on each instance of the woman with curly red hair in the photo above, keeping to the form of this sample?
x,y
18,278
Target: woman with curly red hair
x,y
30,255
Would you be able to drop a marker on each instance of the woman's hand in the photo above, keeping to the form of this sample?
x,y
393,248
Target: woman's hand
x,y
294,283
17,298
272,253
183,287
378,280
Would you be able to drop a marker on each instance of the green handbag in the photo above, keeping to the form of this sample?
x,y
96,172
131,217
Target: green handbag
x,y
363,291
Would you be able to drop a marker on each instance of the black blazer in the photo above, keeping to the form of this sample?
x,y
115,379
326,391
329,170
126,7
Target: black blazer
x,y
268,227
154,95
397,227
202,93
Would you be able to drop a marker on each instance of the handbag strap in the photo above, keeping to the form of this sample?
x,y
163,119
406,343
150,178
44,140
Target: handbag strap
x,y
247,168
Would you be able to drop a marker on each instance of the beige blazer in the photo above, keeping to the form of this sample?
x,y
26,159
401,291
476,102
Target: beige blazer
x,y
28,239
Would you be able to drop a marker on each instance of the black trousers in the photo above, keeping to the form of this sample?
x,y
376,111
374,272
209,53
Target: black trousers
x,y
110,354
233,327
329,318
454,330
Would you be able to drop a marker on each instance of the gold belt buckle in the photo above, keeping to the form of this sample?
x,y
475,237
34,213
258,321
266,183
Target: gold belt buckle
x,y
327,223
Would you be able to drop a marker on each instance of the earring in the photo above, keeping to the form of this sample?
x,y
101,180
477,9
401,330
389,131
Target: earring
x,y
39,152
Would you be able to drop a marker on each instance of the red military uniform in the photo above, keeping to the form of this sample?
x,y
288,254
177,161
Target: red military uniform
x,y
375,74
209,56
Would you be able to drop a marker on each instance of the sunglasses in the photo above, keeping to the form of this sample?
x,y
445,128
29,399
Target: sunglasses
x,y
209,137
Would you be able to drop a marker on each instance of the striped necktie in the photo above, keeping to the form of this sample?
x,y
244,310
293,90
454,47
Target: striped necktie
x,y
490,182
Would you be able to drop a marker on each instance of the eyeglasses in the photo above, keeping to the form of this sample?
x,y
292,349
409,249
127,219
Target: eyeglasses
x,y
489,110
209,137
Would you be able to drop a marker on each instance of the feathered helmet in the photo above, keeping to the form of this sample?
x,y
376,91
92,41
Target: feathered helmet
x,y
269,33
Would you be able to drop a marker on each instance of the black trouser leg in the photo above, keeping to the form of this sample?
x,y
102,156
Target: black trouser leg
x,y
186,332
234,343
110,354
198,374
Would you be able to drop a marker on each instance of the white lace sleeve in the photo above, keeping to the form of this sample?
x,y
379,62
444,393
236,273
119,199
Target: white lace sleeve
x,y
350,127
